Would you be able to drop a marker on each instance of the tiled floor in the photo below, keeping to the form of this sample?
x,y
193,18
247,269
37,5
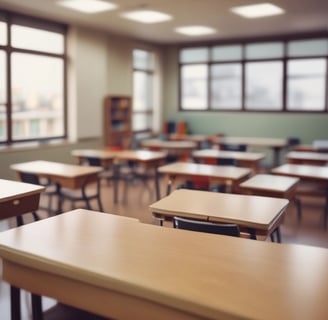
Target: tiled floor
x,y
309,231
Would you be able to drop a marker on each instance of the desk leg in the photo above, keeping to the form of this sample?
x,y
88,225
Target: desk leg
x,y
276,156
60,199
36,307
15,303
116,176
158,192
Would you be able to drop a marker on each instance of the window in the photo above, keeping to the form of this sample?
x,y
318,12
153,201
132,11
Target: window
x,y
36,59
143,91
280,75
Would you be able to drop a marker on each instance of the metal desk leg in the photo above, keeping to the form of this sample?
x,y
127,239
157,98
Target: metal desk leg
x,y
15,303
158,192
36,307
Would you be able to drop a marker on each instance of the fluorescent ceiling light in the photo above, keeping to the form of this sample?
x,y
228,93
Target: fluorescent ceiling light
x,y
87,6
258,10
146,16
195,30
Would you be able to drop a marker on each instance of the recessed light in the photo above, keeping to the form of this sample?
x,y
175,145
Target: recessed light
x,y
146,16
195,30
258,10
88,6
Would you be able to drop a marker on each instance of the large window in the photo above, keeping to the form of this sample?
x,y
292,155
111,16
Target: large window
x,y
32,77
289,75
143,91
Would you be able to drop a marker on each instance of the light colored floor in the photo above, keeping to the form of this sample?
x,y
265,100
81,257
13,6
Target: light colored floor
x,y
309,231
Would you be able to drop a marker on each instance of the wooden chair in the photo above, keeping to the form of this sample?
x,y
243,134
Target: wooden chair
x,y
208,227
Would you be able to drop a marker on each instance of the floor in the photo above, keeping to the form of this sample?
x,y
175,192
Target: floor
x,y
309,231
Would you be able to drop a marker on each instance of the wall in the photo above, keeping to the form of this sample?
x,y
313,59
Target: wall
x,y
306,126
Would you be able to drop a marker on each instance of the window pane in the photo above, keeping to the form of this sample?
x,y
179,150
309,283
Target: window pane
x,y
3,33
226,86
37,101
264,85
141,121
36,39
227,53
264,50
306,84
3,123
194,87
143,60
194,55
142,91
3,73
307,47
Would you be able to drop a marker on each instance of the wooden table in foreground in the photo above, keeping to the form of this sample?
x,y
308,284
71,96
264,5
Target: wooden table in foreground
x,y
310,173
315,158
275,144
126,270
244,159
214,173
64,175
259,216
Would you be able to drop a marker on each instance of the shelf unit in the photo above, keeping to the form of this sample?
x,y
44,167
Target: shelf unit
x,y
117,121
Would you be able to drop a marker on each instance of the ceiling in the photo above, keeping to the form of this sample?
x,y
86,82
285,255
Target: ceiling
x,y
301,16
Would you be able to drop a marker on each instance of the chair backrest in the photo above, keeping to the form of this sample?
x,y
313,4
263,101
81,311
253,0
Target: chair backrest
x,y
29,178
95,162
293,141
233,147
226,162
207,227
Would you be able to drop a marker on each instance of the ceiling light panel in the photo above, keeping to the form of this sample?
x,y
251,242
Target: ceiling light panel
x,y
87,6
195,30
258,10
146,16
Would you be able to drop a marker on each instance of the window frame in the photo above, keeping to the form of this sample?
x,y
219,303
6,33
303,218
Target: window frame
x,y
12,18
285,40
149,113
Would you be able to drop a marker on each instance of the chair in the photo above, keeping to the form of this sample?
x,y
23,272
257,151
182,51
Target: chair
x,y
107,173
51,190
233,147
85,194
208,227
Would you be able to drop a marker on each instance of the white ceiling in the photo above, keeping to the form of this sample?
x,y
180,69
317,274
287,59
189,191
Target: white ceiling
x,y
302,16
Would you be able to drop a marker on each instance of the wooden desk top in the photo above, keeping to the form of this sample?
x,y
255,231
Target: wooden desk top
x,y
256,142
245,210
212,171
55,168
269,182
165,273
190,137
11,190
141,155
213,153
95,153
313,156
157,143
318,173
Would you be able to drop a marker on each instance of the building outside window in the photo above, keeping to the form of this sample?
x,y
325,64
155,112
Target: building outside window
x,y
32,77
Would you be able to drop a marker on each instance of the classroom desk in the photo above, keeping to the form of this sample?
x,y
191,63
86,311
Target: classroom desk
x,y
244,159
173,148
164,273
64,175
197,138
272,143
106,157
186,170
315,158
310,173
150,160
17,198
259,216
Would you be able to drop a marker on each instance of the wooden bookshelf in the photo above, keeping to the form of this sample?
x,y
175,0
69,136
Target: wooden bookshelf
x,y
117,121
